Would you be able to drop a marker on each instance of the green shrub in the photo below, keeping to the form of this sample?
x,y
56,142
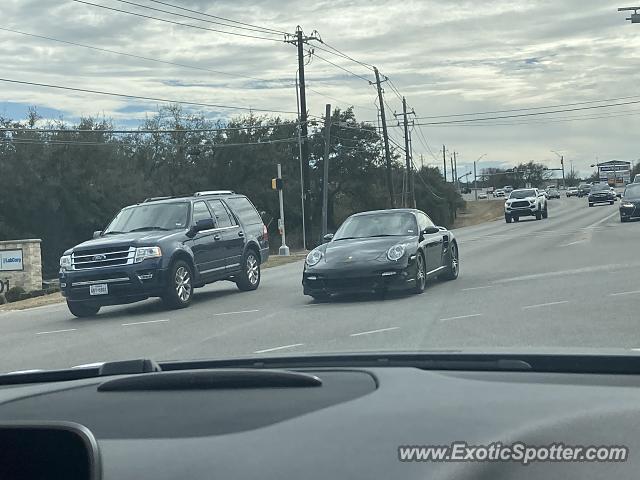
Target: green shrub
x,y
14,294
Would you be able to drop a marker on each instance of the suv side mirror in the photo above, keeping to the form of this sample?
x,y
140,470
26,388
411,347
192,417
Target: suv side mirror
x,y
204,224
430,230
97,233
328,237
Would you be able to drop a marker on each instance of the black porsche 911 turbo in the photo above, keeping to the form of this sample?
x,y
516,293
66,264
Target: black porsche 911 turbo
x,y
379,251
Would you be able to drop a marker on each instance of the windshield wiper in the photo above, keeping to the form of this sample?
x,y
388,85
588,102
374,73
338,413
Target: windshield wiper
x,y
143,229
345,238
113,232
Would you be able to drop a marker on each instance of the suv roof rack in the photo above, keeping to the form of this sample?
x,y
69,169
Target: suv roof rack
x,y
213,192
153,199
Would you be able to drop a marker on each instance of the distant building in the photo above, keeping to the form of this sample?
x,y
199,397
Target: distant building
x,y
615,172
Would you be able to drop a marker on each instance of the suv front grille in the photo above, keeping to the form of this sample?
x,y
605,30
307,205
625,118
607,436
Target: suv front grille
x,y
105,257
520,204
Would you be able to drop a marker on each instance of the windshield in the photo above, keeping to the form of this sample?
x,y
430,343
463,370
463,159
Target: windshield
x,y
381,225
522,193
162,216
286,188
632,192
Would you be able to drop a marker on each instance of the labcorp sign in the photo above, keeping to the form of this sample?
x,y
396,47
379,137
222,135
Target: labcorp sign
x,y
11,261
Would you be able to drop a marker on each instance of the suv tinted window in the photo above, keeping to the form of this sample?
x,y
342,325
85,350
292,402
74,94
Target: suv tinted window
x,y
221,215
200,212
244,210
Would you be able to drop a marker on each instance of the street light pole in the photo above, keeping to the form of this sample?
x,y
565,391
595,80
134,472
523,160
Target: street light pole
x,y
562,165
475,176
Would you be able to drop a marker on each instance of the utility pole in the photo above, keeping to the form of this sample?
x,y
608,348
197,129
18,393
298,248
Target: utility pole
x,y
413,174
475,181
444,163
299,40
302,195
453,175
407,154
564,185
455,169
385,135
325,178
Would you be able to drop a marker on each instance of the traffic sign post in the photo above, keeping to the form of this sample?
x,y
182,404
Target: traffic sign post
x,y
278,184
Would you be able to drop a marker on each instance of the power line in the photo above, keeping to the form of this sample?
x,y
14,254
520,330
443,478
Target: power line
x,y
133,132
154,99
530,108
176,23
119,144
423,140
251,29
340,67
140,57
530,114
542,121
335,51
219,18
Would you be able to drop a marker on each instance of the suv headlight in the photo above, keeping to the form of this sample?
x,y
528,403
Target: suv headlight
x,y
143,253
396,252
314,257
65,262
627,205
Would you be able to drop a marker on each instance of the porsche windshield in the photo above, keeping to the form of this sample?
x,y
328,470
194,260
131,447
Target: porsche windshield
x,y
378,225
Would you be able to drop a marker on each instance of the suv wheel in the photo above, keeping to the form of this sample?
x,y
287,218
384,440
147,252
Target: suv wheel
x,y
82,309
507,218
545,212
538,215
179,291
249,277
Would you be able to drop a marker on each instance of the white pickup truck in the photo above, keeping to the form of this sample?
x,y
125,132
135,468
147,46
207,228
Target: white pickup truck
x,y
525,202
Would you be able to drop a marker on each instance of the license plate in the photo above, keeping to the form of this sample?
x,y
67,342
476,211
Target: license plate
x,y
100,289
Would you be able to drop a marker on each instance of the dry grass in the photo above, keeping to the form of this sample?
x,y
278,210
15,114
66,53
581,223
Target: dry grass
x,y
33,302
479,212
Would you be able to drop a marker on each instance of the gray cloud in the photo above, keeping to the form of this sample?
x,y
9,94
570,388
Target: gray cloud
x,y
445,56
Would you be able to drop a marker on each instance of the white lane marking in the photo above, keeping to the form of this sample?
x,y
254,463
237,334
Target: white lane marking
x,y
235,313
477,288
380,330
577,271
57,331
545,304
624,293
576,242
460,317
602,220
636,349
279,348
144,323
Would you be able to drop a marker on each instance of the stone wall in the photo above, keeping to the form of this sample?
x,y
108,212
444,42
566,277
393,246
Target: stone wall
x,y
30,277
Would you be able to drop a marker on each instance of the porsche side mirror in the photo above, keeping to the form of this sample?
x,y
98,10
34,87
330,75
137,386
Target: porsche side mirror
x,y
430,230
328,237
97,234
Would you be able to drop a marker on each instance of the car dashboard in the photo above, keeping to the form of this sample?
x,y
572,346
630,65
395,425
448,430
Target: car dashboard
x,y
313,422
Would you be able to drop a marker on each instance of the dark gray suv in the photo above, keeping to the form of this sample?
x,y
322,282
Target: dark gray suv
x,y
165,247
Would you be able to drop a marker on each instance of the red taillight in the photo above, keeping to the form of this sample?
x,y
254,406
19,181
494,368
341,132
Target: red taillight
x,y
265,233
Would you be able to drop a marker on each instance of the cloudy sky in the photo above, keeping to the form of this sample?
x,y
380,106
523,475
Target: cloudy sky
x,y
447,57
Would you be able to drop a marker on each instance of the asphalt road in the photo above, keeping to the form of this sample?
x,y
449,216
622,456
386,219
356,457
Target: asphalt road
x,y
571,281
